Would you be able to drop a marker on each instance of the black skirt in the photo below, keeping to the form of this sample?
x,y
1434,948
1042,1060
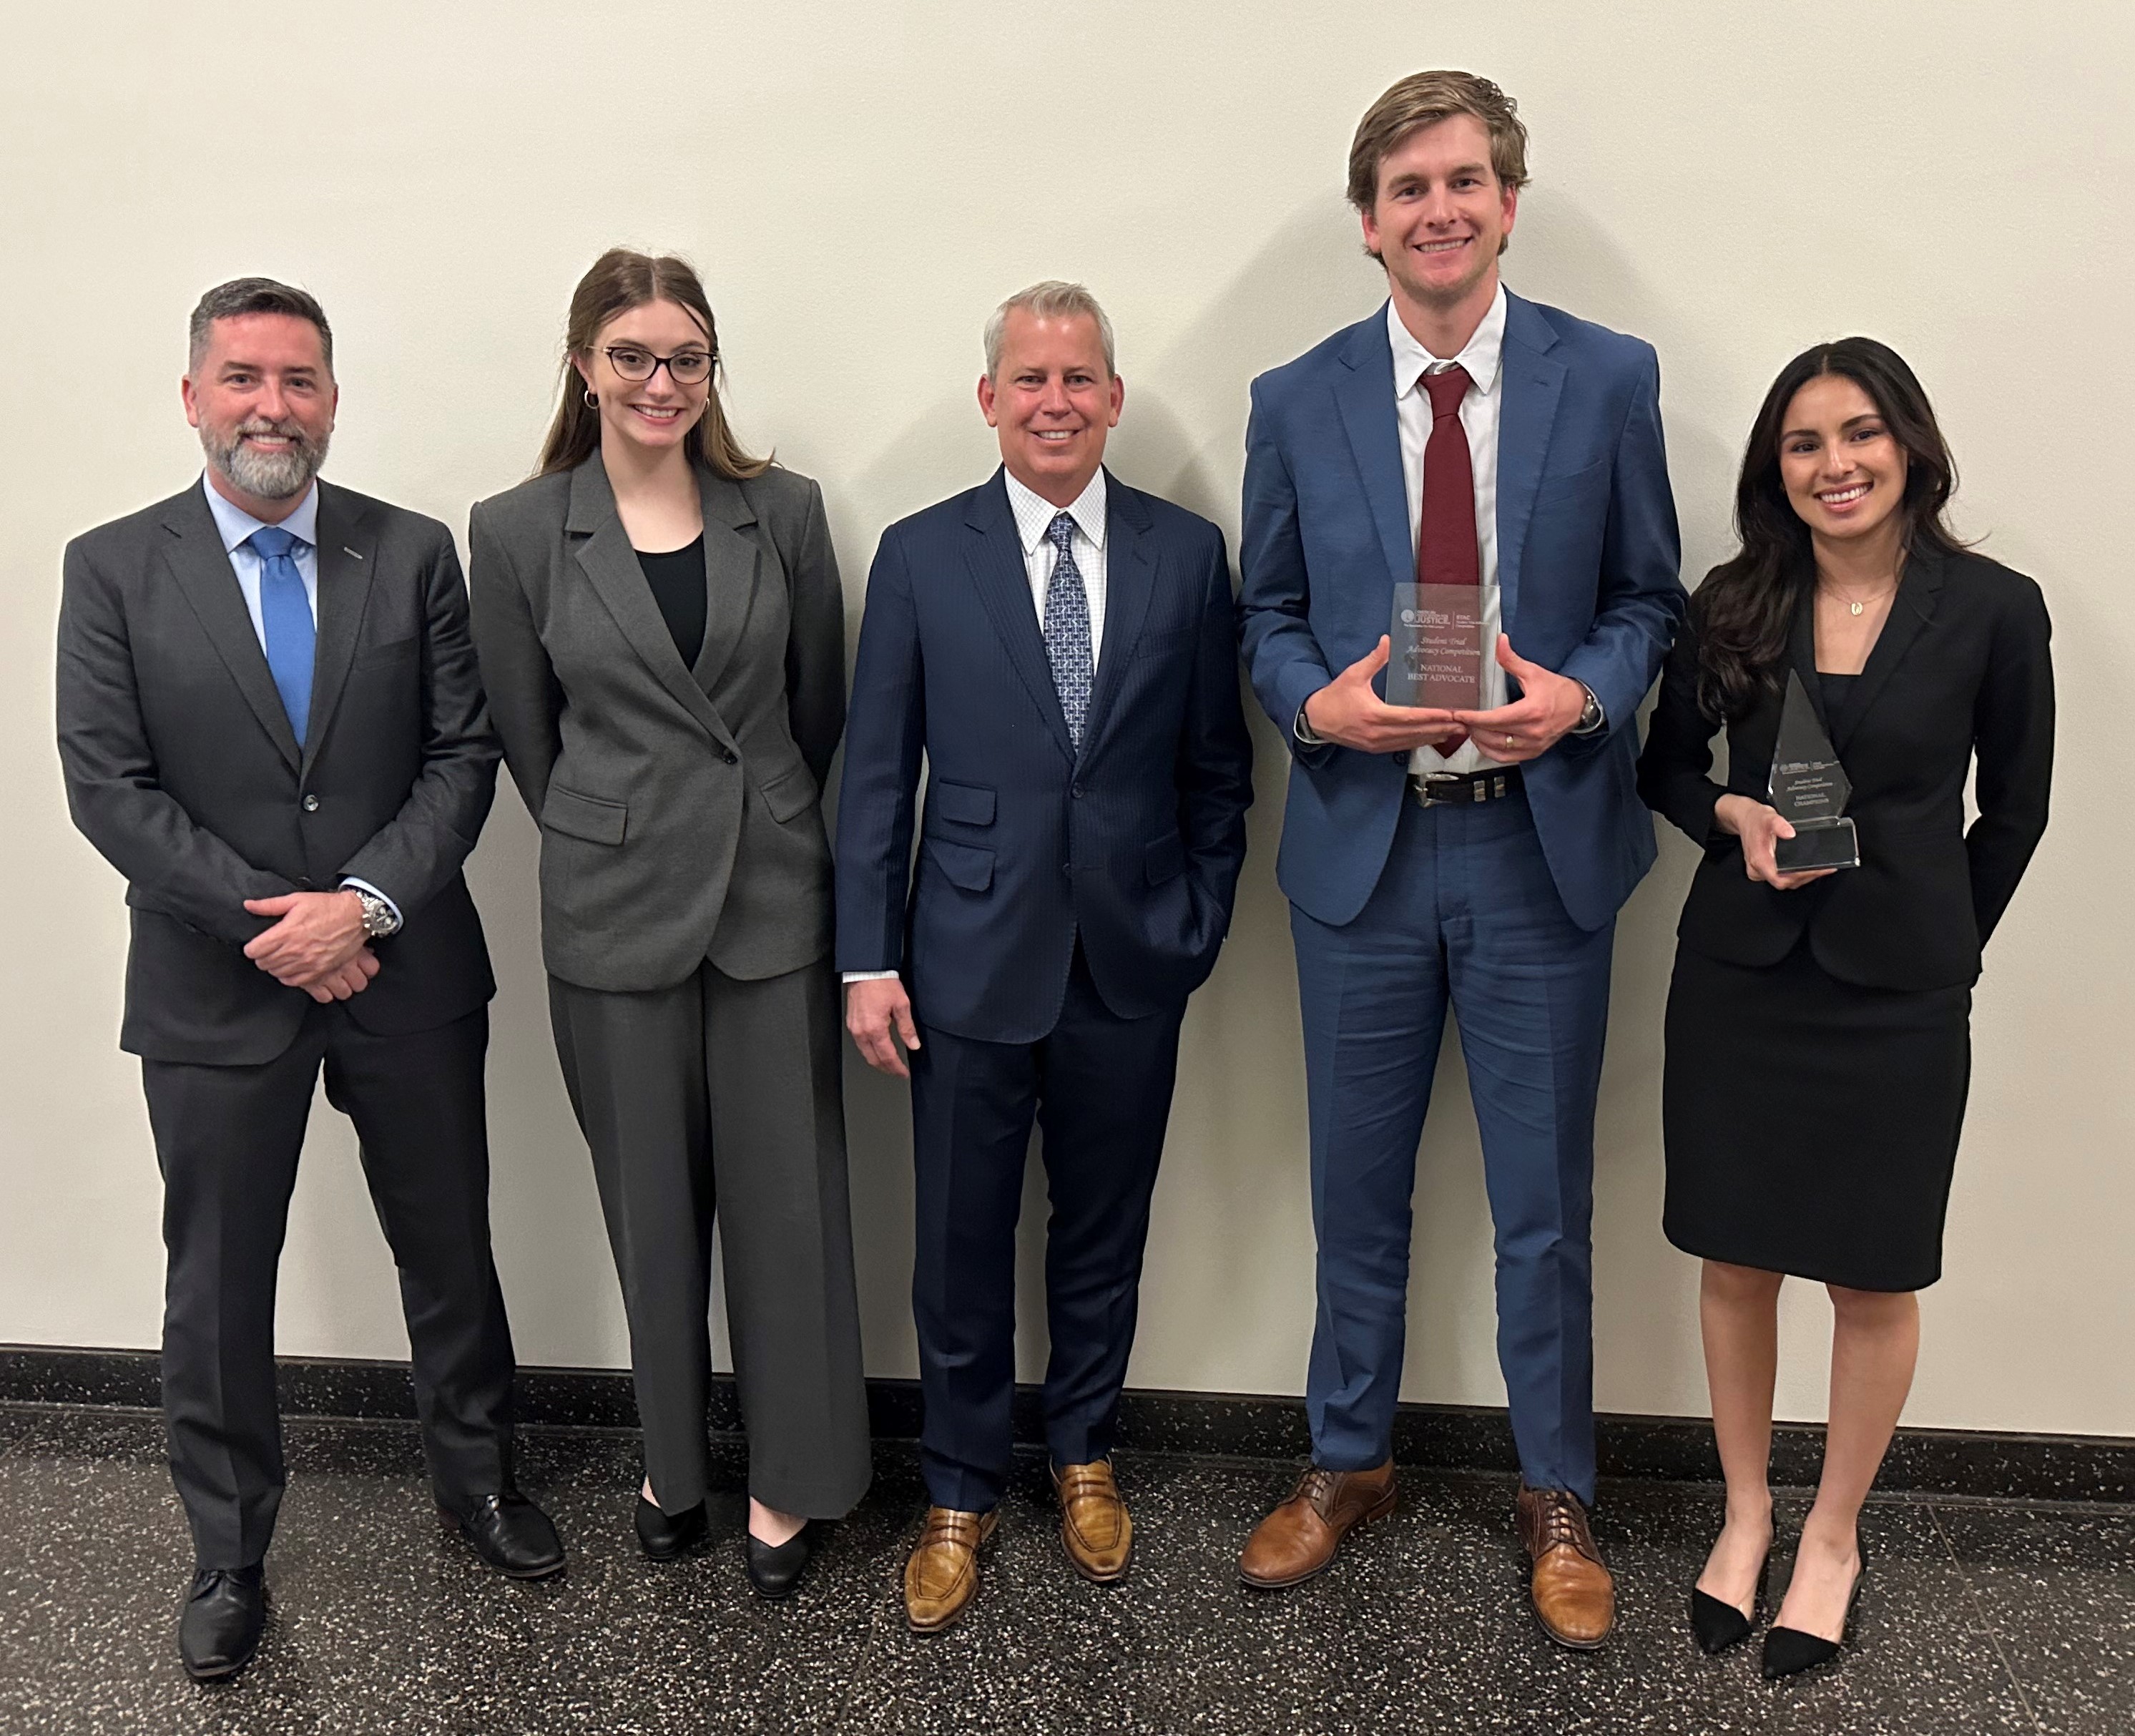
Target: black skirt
x,y
1812,1124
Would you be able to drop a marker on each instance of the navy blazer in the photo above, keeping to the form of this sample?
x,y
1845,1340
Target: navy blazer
x,y
1134,844
1588,572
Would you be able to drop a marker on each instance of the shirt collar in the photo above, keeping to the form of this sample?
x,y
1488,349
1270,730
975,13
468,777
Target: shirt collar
x,y
1480,357
236,524
1034,514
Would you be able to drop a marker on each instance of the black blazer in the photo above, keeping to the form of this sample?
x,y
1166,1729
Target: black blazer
x,y
1961,668
183,770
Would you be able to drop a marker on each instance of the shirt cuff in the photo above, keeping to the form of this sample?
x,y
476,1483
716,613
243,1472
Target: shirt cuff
x,y
350,883
870,976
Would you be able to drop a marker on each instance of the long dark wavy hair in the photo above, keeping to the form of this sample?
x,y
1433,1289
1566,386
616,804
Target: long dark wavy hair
x,y
618,281
1746,609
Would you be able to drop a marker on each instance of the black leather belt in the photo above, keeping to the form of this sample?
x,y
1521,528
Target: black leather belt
x,y
1463,789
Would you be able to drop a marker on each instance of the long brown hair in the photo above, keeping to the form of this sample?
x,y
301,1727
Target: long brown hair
x,y
618,281
1746,609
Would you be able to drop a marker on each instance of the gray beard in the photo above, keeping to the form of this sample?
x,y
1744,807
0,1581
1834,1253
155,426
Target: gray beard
x,y
266,476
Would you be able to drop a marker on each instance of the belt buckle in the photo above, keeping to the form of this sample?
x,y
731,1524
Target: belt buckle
x,y
1426,796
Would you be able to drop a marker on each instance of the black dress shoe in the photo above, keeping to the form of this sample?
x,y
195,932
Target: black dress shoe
x,y
219,1627
1789,1651
1718,1624
668,1536
775,1571
509,1533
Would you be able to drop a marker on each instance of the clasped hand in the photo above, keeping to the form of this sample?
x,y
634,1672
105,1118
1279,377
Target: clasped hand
x,y
1761,828
1346,710
319,945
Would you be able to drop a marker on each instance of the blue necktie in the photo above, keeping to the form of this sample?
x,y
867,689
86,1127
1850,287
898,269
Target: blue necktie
x,y
1067,628
286,613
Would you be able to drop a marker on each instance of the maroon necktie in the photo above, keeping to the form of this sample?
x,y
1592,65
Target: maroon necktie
x,y
1445,551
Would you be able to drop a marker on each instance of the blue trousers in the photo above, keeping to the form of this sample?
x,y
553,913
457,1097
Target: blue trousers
x,y
1465,914
1099,1088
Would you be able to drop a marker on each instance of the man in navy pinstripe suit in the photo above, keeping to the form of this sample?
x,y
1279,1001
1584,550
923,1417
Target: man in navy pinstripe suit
x,y
1059,647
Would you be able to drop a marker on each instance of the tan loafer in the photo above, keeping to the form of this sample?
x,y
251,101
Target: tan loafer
x,y
1300,1537
1095,1527
1575,1599
941,1574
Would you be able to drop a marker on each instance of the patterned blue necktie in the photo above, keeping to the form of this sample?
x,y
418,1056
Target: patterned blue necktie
x,y
1067,628
286,612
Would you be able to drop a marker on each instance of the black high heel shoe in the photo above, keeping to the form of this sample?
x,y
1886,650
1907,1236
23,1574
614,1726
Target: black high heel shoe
x,y
775,1569
1718,1625
1789,1651
668,1536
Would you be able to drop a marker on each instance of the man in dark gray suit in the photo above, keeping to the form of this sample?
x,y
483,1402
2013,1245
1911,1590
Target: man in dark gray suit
x,y
271,723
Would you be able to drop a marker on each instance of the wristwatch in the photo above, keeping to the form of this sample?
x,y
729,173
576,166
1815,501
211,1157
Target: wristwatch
x,y
1592,716
379,920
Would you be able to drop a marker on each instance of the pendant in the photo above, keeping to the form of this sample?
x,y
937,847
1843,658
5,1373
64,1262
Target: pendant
x,y
1854,607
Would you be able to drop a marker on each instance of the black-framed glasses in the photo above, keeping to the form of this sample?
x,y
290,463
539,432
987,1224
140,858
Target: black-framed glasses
x,y
684,367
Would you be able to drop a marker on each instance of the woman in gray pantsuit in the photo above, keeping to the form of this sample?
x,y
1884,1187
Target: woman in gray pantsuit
x,y
662,636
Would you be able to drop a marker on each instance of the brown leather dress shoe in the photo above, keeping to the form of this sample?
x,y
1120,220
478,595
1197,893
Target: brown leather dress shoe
x,y
1574,1597
1095,1528
941,1574
1298,1539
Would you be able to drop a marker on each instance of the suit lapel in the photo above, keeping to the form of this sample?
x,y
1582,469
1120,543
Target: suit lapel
x,y
1365,395
201,566
1801,657
1531,381
346,547
610,564
732,563
1129,581
1910,612
994,556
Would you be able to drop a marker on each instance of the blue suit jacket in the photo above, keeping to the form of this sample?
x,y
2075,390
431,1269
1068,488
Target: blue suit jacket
x,y
1135,843
1588,560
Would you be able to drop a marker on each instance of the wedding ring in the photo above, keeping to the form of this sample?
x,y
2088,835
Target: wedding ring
x,y
1508,741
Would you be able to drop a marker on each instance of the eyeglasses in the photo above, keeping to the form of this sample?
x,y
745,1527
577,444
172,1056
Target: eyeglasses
x,y
684,367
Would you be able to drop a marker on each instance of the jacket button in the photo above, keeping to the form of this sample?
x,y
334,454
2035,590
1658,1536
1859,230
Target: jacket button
x,y
310,804
731,757
1076,791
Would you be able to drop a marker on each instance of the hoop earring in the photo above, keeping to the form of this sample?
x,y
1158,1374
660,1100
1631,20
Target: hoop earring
x,y
592,402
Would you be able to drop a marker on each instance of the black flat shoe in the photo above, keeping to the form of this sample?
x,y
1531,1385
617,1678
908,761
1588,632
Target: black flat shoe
x,y
1788,1651
218,1628
775,1572
509,1533
666,1536
1716,1624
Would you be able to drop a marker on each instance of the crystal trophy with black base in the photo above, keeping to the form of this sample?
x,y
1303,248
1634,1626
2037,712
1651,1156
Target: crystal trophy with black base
x,y
1810,790
1436,659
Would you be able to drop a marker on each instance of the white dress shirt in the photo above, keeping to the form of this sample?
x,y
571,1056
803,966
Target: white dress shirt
x,y
1033,517
235,526
1479,420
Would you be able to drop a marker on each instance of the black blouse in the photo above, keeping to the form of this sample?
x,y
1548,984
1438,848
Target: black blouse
x,y
677,578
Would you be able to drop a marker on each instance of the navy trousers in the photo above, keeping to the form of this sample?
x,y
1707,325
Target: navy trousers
x,y
1099,1088
1465,914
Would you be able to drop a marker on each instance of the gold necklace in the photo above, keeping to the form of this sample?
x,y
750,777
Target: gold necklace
x,y
1853,607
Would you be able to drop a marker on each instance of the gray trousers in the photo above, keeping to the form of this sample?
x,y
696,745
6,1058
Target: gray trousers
x,y
726,1094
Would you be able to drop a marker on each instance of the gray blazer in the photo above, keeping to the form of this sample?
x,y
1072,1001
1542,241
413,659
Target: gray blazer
x,y
680,807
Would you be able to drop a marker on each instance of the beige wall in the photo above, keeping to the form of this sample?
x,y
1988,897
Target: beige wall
x,y
859,184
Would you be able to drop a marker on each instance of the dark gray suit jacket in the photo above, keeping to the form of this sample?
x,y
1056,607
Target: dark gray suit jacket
x,y
182,769
680,807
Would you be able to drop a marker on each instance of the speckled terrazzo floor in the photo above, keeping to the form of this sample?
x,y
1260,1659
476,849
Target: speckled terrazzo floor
x,y
1979,1617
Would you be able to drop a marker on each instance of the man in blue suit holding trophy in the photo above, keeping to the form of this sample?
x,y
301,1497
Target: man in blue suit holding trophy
x,y
1474,857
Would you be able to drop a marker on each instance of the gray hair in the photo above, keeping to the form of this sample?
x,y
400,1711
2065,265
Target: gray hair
x,y
245,295
1052,299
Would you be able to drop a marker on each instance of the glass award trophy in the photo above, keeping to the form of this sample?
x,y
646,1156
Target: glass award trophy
x,y
1810,790
1436,659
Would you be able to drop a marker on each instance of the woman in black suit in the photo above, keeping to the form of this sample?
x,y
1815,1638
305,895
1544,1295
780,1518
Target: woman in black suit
x,y
1818,1023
